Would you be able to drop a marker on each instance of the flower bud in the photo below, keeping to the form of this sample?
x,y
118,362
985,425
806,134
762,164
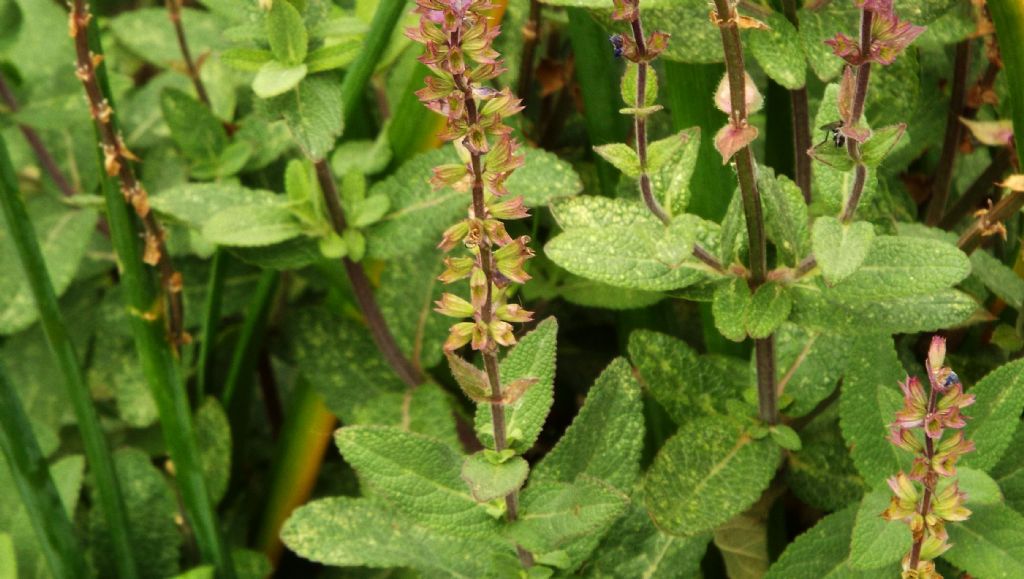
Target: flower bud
x,y
453,306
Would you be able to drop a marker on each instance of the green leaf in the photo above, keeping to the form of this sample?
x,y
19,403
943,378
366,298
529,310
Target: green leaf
x,y
418,475
196,131
312,112
419,214
634,547
622,156
876,542
732,302
688,386
533,357
554,514
824,552
1003,281
671,183
428,410
988,544
743,542
63,236
1009,472
822,474
213,436
839,248
286,33
819,24
785,215
246,59
805,364
8,561
195,203
999,401
981,489
587,211
815,309
733,240
147,33
351,532
339,359
868,401
252,226
646,257
362,156
882,141
785,437
275,78
627,87
767,310
605,439
664,151
721,467
152,508
488,480
370,210
406,296
779,51
333,56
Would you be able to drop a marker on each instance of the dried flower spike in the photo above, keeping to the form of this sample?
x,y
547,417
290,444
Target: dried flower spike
x,y
930,425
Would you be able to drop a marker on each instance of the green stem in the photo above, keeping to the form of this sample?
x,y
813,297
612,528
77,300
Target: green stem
x,y
100,462
158,360
596,71
358,74
243,360
38,494
1008,16
211,316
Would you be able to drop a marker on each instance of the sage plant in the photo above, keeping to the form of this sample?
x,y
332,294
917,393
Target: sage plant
x,y
458,37
930,425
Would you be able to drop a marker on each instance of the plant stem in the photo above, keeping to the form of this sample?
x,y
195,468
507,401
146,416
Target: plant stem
x,y
745,169
930,477
1008,16
531,35
944,172
859,99
986,223
211,318
21,232
117,161
157,357
243,360
801,119
174,13
595,70
978,190
640,138
358,73
46,160
54,531
363,289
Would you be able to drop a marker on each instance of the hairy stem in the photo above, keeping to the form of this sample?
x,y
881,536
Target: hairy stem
x,y
801,119
931,477
988,223
174,13
117,162
142,301
944,172
490,353
978,190
860,96
46,160
101,464
363,289
640,145
746,171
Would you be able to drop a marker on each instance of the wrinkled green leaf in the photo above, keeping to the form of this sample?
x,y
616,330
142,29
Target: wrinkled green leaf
x,y
988,544
213,436
721,467
824,552
779,51
876,542
312,112
839,248
1003,281
275,78
634,547
286,33
489,480
252,226
555,513
999,401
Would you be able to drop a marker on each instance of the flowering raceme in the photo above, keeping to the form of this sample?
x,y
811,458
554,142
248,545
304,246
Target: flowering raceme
x,y
889,36
458,38
930,426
